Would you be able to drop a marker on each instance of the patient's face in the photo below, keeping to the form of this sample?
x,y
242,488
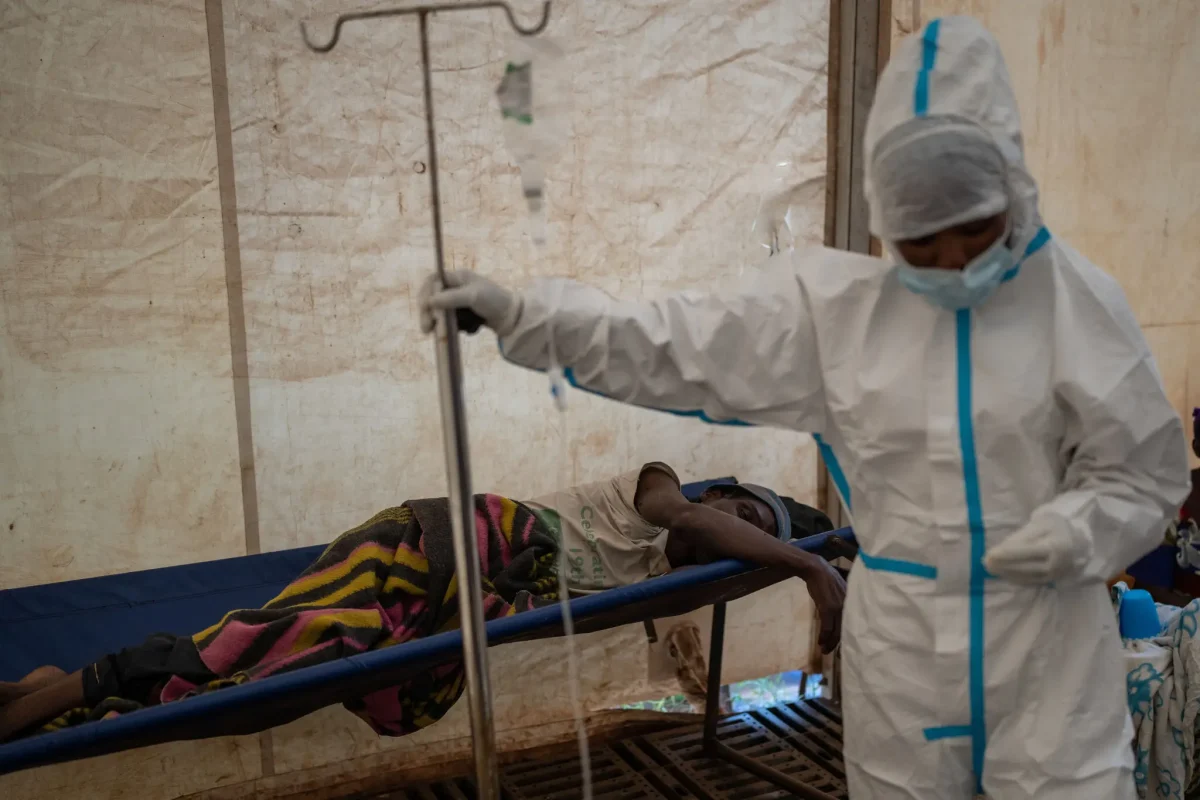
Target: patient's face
x,y
741,505
734,503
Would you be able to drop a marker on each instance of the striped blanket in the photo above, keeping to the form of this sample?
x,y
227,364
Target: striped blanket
x,y
386,582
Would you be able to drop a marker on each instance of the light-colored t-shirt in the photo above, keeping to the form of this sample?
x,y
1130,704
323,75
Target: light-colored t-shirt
x,y
605,539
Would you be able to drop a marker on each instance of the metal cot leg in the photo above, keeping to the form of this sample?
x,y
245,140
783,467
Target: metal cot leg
x,y
712,700
713,748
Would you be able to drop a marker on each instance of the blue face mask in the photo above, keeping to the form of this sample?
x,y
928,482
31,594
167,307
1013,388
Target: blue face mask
x,y
968,288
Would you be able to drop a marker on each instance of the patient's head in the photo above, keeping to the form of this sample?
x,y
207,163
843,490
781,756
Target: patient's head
x,y
756,504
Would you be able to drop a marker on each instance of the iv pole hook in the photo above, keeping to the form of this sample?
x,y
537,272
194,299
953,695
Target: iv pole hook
x,y
423,10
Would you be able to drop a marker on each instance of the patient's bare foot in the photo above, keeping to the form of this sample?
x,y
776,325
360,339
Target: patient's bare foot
x,y
42,676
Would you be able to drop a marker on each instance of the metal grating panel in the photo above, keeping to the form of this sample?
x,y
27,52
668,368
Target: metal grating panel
x,y
801,739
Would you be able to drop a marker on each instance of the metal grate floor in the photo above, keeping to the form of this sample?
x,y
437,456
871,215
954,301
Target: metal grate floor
x,y
801,739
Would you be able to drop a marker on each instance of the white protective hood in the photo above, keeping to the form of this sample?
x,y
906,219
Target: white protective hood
x,y
969,91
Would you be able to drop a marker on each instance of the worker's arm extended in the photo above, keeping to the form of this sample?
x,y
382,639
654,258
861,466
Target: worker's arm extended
x,y
747,355
661,503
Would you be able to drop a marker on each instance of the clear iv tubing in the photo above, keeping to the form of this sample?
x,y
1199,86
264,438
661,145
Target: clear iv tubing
x,y
558,391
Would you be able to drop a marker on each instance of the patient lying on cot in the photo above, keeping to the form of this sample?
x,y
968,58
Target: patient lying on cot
x,y
391,580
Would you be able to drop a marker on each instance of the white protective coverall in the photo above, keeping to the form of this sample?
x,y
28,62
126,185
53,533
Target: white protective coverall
x,y
946,432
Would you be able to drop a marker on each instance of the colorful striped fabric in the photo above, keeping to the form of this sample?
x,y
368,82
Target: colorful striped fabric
x,y
388,581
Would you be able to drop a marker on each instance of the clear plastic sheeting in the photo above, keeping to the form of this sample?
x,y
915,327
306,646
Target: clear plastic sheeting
x,y
790,206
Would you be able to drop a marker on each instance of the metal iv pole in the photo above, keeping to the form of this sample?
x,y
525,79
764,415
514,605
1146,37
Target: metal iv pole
x,y
454,420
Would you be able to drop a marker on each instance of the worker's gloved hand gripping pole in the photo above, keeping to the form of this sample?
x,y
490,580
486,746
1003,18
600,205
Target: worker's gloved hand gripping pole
x,y
454,420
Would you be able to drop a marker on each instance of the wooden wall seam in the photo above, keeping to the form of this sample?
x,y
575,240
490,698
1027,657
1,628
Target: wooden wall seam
x,y
239,358
240,370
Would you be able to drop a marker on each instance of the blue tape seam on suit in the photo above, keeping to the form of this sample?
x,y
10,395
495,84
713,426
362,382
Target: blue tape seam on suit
x,y
966,432
914,568
978,727
929,45
947,732
835,470
970,466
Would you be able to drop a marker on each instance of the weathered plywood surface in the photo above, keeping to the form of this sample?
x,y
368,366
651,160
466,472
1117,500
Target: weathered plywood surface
x,y
117,442
1176,350
1109,101
906,19
675,106
153,773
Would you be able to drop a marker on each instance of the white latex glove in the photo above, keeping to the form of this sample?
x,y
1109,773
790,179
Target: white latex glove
x,y
496,306
1042,552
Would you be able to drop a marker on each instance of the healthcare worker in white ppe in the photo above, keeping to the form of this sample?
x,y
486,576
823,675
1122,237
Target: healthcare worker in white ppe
x,y
989,410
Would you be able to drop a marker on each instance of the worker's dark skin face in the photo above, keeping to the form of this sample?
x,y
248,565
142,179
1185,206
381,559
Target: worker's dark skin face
x,y
953,248
734,503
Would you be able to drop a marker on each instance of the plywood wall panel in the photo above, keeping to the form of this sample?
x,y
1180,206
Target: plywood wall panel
x,y
161,772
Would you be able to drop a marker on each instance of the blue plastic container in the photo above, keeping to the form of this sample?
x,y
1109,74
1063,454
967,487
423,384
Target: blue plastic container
x,y
1139,615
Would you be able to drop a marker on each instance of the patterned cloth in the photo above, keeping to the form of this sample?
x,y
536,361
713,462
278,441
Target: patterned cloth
x,y
1163,683
386,582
